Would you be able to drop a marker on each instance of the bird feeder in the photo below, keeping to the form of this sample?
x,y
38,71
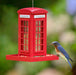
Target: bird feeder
x,y
32,36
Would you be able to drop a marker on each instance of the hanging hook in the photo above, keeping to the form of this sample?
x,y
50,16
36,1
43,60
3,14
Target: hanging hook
x,y
32,3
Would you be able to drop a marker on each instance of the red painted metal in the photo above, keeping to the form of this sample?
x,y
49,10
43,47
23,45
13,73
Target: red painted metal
x,y
32,36
32,59
32,11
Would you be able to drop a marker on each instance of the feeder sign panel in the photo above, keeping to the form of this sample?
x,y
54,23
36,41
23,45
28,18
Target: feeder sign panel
x,y
24,16
39,16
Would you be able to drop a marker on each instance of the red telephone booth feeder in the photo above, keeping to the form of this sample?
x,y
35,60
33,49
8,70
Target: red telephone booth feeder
x,y
32,36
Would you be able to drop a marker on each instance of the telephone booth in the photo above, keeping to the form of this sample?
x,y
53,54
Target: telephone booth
x,y
32,35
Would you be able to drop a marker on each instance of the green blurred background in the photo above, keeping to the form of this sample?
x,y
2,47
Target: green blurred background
x,y
60,27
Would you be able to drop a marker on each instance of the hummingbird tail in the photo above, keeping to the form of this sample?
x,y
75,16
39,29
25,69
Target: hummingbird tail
x,y
71,59
69,63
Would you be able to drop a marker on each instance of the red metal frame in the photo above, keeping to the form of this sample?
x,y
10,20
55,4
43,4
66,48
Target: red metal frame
x,y
32,48
48,57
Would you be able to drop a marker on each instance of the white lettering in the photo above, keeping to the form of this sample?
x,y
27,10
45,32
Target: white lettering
x,y
24,16
39,16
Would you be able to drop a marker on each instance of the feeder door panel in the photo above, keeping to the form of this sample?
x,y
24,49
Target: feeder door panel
x,y
39,36
24,36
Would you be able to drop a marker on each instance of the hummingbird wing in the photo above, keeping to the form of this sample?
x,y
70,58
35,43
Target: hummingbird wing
x,y
62,50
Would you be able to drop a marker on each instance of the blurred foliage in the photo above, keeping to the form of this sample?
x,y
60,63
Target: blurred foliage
x,y
28,3
59,7
9,33
34,67
8,37
50,38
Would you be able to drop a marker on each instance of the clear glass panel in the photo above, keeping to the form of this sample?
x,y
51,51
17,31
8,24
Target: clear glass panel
x,y
37,23
22,48
41,47
42,23
26,47
36,48
27,23
26,42
22,41
39,36
41,29
22,23
22,29
36,42
37,29
41,41
24,35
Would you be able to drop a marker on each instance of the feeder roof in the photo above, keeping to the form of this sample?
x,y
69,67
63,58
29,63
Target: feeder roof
x,y
32,10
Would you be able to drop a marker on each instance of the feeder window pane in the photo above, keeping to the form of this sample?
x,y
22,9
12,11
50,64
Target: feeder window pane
x,y
36,42
25,23
41,30
26,42
37,23
22,47
36,48
41,41
25,29
39,36
22,41
37,29
42,23
41,47
26,45
22,29
24,35
22,23
26,48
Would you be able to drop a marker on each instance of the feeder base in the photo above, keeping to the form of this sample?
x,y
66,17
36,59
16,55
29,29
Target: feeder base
x,y
16,57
